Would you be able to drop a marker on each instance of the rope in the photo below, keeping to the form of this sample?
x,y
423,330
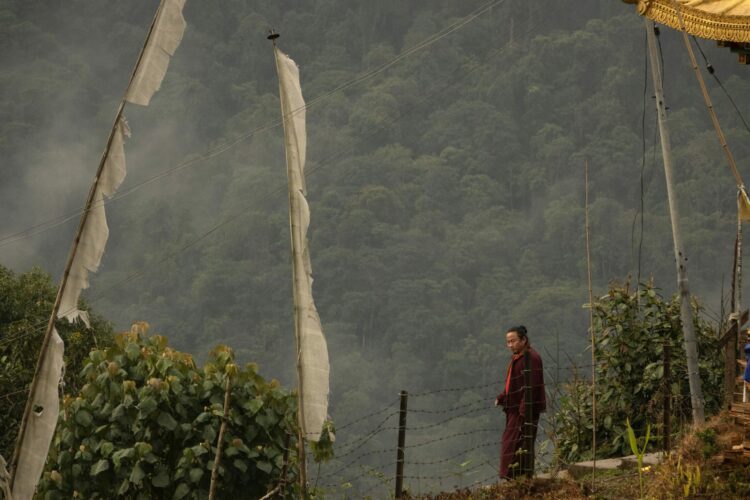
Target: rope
x,y
707,98
712,72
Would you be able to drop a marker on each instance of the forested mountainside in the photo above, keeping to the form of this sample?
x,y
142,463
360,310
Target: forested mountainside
x,y
446,186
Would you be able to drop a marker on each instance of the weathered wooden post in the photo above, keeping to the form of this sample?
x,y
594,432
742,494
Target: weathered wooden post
x,y
401,442
667,397
527,456
690,343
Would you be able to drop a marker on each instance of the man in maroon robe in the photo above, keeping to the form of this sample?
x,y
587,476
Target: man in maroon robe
x,y
513,400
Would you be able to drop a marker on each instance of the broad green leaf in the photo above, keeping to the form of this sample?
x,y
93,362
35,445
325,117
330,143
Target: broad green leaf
x,y
264,466
167,421
253,405
106,448
99,467
198,450
137,474
147,406
161,480
143,448
124,486
132,351
84,418
181,490
196,474
120,454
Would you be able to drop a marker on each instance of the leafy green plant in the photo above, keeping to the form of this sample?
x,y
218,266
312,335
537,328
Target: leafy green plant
x,y
26,301
145,425
638,452
633,328
707,438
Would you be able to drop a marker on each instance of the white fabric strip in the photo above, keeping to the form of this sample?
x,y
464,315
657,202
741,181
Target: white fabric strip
x,y
95,232
313,355
40,427
166,36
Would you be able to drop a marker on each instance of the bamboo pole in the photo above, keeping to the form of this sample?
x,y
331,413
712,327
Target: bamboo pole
x,y
591,323
686,313
71,256
294,255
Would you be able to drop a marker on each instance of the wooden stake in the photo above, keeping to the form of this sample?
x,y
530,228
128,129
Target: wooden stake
x,y
401,444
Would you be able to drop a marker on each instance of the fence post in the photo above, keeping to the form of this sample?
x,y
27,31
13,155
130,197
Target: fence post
x,y
527,457
667,397
400,448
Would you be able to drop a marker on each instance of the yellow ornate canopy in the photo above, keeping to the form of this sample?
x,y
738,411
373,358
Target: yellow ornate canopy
x,y
723,20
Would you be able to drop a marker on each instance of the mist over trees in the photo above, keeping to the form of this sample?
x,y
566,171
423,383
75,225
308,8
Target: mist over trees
x,y
446,188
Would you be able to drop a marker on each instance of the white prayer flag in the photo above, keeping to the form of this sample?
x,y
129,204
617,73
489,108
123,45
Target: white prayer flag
x,y
40,427
166,35
95,231
313,353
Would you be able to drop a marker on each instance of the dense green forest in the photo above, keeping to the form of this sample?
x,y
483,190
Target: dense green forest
x,y
446,189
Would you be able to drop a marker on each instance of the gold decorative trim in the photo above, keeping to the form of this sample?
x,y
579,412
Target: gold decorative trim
x,y
697,22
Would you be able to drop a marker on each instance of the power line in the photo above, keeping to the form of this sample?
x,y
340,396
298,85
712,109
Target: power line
x,y
57,221
310,172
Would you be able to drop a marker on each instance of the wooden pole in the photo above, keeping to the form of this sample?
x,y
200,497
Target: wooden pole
x,y
401,444
686,313
220,443
591,327
730,344
667,398
302,458
69,264
527,456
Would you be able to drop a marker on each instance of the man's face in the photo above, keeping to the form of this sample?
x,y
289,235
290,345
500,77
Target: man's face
x,y
514,342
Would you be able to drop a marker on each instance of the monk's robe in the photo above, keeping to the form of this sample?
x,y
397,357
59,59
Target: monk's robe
x,y
513,401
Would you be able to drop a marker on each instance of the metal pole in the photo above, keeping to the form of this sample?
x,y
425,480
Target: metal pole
x,y
401,442
686,313
527,456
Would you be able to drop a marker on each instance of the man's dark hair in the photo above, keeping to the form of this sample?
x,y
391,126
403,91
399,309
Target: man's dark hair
x,y
520,330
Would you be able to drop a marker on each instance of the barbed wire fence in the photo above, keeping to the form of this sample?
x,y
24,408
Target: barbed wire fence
x,y
453,439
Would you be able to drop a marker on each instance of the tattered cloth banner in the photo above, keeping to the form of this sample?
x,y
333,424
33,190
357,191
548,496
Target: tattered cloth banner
x,y
313,351
42,421
166,36
95,232
38,430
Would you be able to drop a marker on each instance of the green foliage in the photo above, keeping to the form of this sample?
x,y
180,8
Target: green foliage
x,y
632,330
707,437
637,451
146,422
25,306
445,192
